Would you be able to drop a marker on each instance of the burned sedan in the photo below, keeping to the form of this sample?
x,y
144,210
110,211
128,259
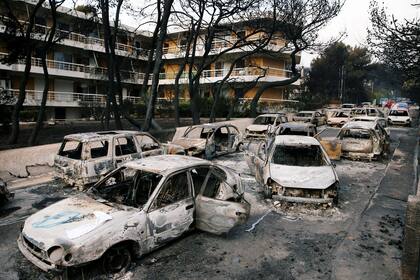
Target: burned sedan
x,y
295,169
210,140
358,140
134,210
263,125
84,157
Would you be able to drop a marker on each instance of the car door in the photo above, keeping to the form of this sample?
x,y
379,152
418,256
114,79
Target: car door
x,y
125,149
233,138
148,146
215,215
99,160
172,211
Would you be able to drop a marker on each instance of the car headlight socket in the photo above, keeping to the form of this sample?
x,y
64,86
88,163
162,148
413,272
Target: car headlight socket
x,y
55,253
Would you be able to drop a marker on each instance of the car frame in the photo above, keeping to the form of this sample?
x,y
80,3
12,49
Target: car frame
x,y
261,131
207,145
317,118
113,219
293,183
404,120
83,158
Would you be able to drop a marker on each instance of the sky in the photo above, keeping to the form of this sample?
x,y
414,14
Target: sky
x,y
354,21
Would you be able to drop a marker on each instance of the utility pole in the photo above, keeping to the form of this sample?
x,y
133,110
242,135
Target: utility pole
x,y
341,83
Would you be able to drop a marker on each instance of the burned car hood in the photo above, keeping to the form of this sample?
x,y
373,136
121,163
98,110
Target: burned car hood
x,y
257,127
69,219
187,143
303,177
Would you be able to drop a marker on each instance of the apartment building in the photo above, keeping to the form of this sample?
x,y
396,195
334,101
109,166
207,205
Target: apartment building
x,y
78,77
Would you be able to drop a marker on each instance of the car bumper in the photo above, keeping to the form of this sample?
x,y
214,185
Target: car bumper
x,y
303,199
359,156
36,260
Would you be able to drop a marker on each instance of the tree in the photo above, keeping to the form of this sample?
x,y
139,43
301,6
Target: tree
x,y
300,22
397,44
20,46
51,38
340,73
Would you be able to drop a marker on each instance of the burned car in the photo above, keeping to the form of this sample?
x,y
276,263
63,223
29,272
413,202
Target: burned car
x,y
134,210
296,128
84,158
264,125
315,117
210,140
358,140
295,169
338,118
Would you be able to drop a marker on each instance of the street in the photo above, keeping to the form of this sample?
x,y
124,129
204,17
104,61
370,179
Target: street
x,y
360,238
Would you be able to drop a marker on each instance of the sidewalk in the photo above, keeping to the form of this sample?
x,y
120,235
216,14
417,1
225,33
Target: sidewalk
x,y
372,248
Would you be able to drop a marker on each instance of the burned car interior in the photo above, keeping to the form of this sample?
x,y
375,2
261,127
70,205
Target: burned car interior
x,y
308,155
71,149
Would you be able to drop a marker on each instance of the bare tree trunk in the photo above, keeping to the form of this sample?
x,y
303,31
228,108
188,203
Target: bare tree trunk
x,y
48,45
41,113
14,135
158,64
235,100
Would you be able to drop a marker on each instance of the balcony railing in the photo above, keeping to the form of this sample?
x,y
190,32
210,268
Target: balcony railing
x,y
42,30
94,72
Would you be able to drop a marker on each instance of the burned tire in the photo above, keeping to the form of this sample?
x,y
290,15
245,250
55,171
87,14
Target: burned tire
x,y
116,259
268,192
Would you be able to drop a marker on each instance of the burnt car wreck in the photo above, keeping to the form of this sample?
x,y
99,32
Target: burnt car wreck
x,y
210,140
294,169
133,210
84,158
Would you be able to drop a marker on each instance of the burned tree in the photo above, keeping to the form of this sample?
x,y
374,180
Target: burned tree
x,y
299,21
396,43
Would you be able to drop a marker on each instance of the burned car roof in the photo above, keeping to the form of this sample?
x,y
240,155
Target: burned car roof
x,y
359,125
295,140
89,136
297,125
164,163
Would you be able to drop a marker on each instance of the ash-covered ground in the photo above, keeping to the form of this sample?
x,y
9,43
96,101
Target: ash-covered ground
x,y
290,241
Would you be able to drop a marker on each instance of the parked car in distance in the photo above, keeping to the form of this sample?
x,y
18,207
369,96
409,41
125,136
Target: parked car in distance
x,y
382,121
295,169
263,125
348,106
338,118
296,128
210,140
315,117
399,117
366,104
358,140
83,158
132,211
371,112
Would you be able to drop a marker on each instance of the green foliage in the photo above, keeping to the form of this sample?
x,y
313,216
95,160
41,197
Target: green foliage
x,y
339,61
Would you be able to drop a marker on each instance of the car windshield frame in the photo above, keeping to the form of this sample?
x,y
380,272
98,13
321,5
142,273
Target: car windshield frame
x,y
296,151
398,113
265,120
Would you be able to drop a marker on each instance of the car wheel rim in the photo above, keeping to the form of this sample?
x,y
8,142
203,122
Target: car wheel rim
x,y
117,260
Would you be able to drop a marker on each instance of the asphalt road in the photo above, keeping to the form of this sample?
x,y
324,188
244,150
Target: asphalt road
x,y
290,242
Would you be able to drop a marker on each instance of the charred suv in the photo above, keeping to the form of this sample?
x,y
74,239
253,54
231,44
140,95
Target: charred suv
x,y
134,210
84,158
295,169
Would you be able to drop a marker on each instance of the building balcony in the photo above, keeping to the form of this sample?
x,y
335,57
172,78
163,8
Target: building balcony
x,y
66,99
71,70
77,40
80,71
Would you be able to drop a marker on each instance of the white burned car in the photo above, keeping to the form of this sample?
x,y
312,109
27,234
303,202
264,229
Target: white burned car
x,y
296,169
84,158
338,118
263,125
209,140
134,210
